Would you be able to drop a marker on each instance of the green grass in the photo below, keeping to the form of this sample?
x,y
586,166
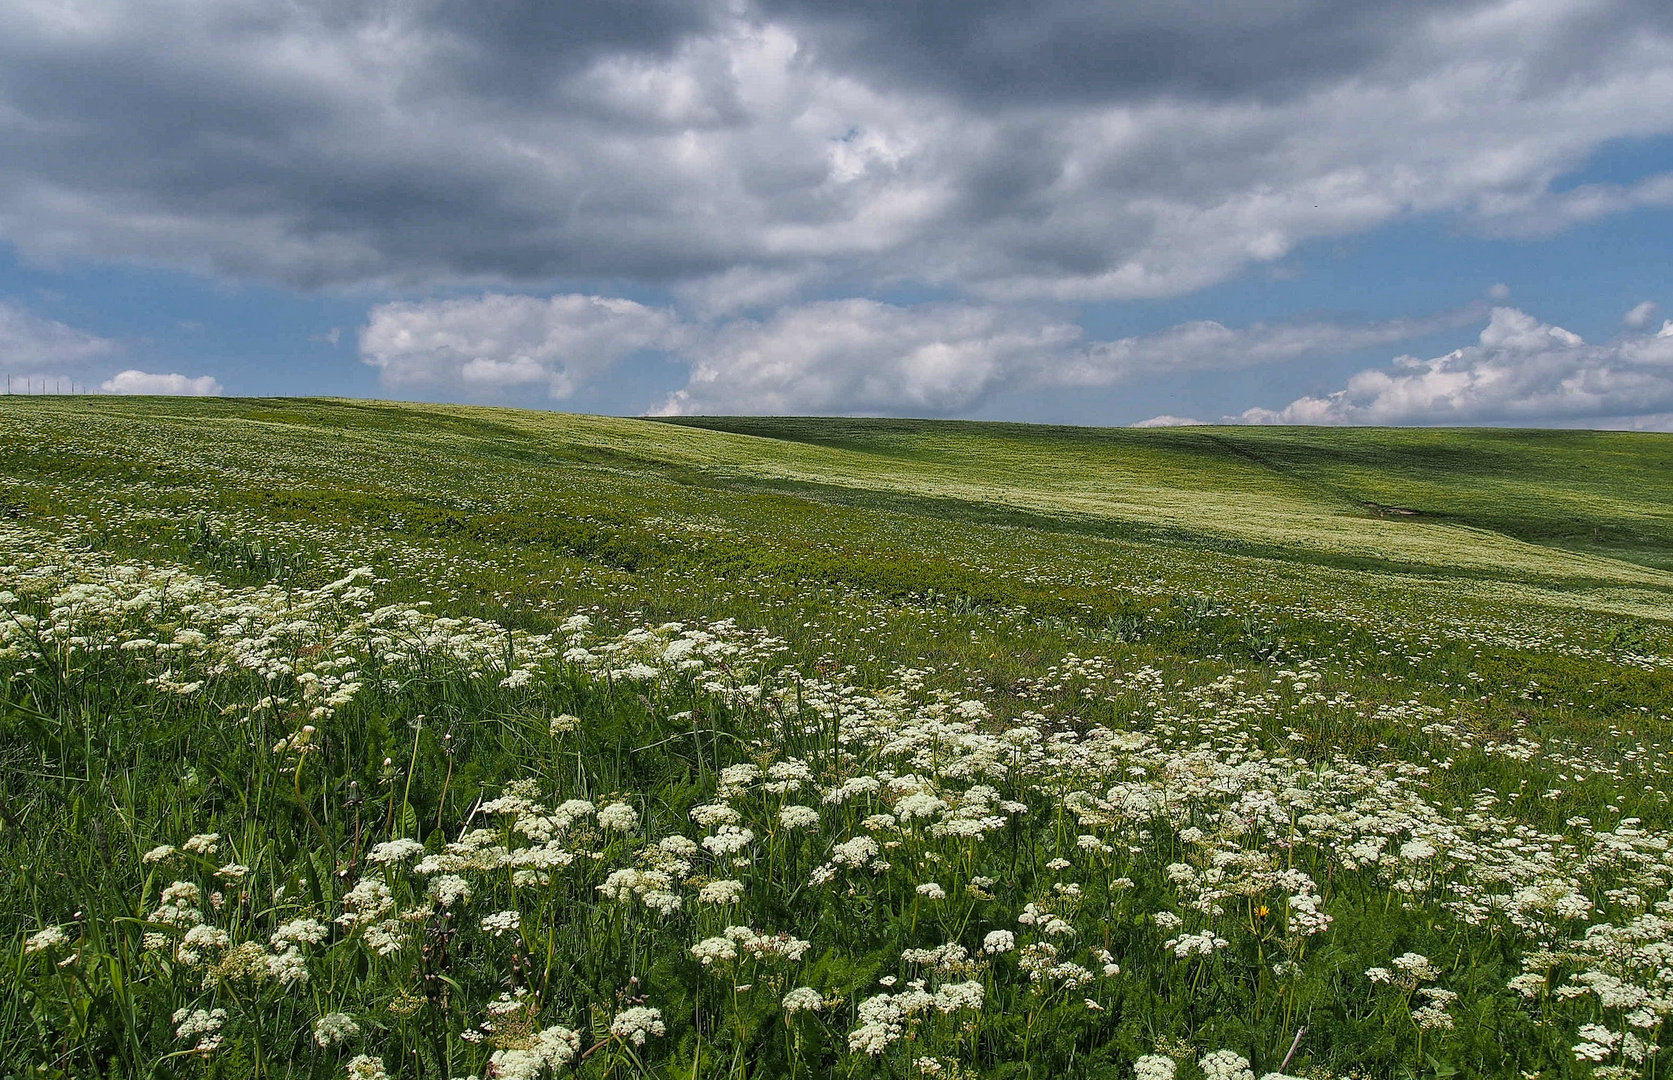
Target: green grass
x,y
1606,493
1208,652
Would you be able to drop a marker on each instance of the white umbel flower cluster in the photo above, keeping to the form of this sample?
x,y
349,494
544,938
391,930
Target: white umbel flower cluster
x,y
1225,1065
552,1048
803,999
618,817
637,1023
201,1025
366,1067
1154,1067
334,1028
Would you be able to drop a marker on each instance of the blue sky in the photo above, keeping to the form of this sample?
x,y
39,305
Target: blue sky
x,y
1238,212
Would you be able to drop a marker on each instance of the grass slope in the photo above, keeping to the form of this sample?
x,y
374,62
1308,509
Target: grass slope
x,y
1123,745
1331,490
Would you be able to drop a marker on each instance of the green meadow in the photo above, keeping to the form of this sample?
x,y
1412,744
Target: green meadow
x,y
345,738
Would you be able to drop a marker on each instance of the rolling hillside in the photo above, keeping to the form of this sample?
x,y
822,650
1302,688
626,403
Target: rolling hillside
x,y
381,739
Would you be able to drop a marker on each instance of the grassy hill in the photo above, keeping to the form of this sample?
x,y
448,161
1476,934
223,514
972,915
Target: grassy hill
x,y
1598,493
460,740
1397,498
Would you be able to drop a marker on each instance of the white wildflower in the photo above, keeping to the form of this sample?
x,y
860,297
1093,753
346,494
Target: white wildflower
x,y
298,932
856,852
798,817
725,891
570,811
394,851
1226,1065
618,817
1154,1067
333,1028
680,847
955,996
204,1026
1415,965
1417,850
203,844
1202,944
636,1024
711,814
714,950
729,840
550,1049
449,889
366,1067
803,999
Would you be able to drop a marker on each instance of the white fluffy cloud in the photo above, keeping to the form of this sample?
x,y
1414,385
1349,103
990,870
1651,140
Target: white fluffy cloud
x,y
857,356
1640,315
30,343
838,356
1016,151
133,381
860,356
1168,420
834,356
1519,371
488,345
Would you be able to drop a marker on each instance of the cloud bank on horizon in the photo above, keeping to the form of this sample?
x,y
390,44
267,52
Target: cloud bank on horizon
x,y
900,208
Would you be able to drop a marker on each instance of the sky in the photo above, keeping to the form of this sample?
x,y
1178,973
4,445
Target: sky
x,y
1059,211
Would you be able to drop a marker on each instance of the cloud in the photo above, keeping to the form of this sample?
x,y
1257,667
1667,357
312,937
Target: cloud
x,y
60,356
1519,371
1165,420
1209,345
1536,212
1006,151
133,381
1646,422
995,50
849,356
865,357
852,356
30,343
495,343
1640,315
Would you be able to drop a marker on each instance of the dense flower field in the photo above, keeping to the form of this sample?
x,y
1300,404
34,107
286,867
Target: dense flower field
x,y
276,816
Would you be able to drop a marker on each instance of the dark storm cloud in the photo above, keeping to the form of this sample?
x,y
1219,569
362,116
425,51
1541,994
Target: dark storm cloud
x,y
516,51
1090,50
742,153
